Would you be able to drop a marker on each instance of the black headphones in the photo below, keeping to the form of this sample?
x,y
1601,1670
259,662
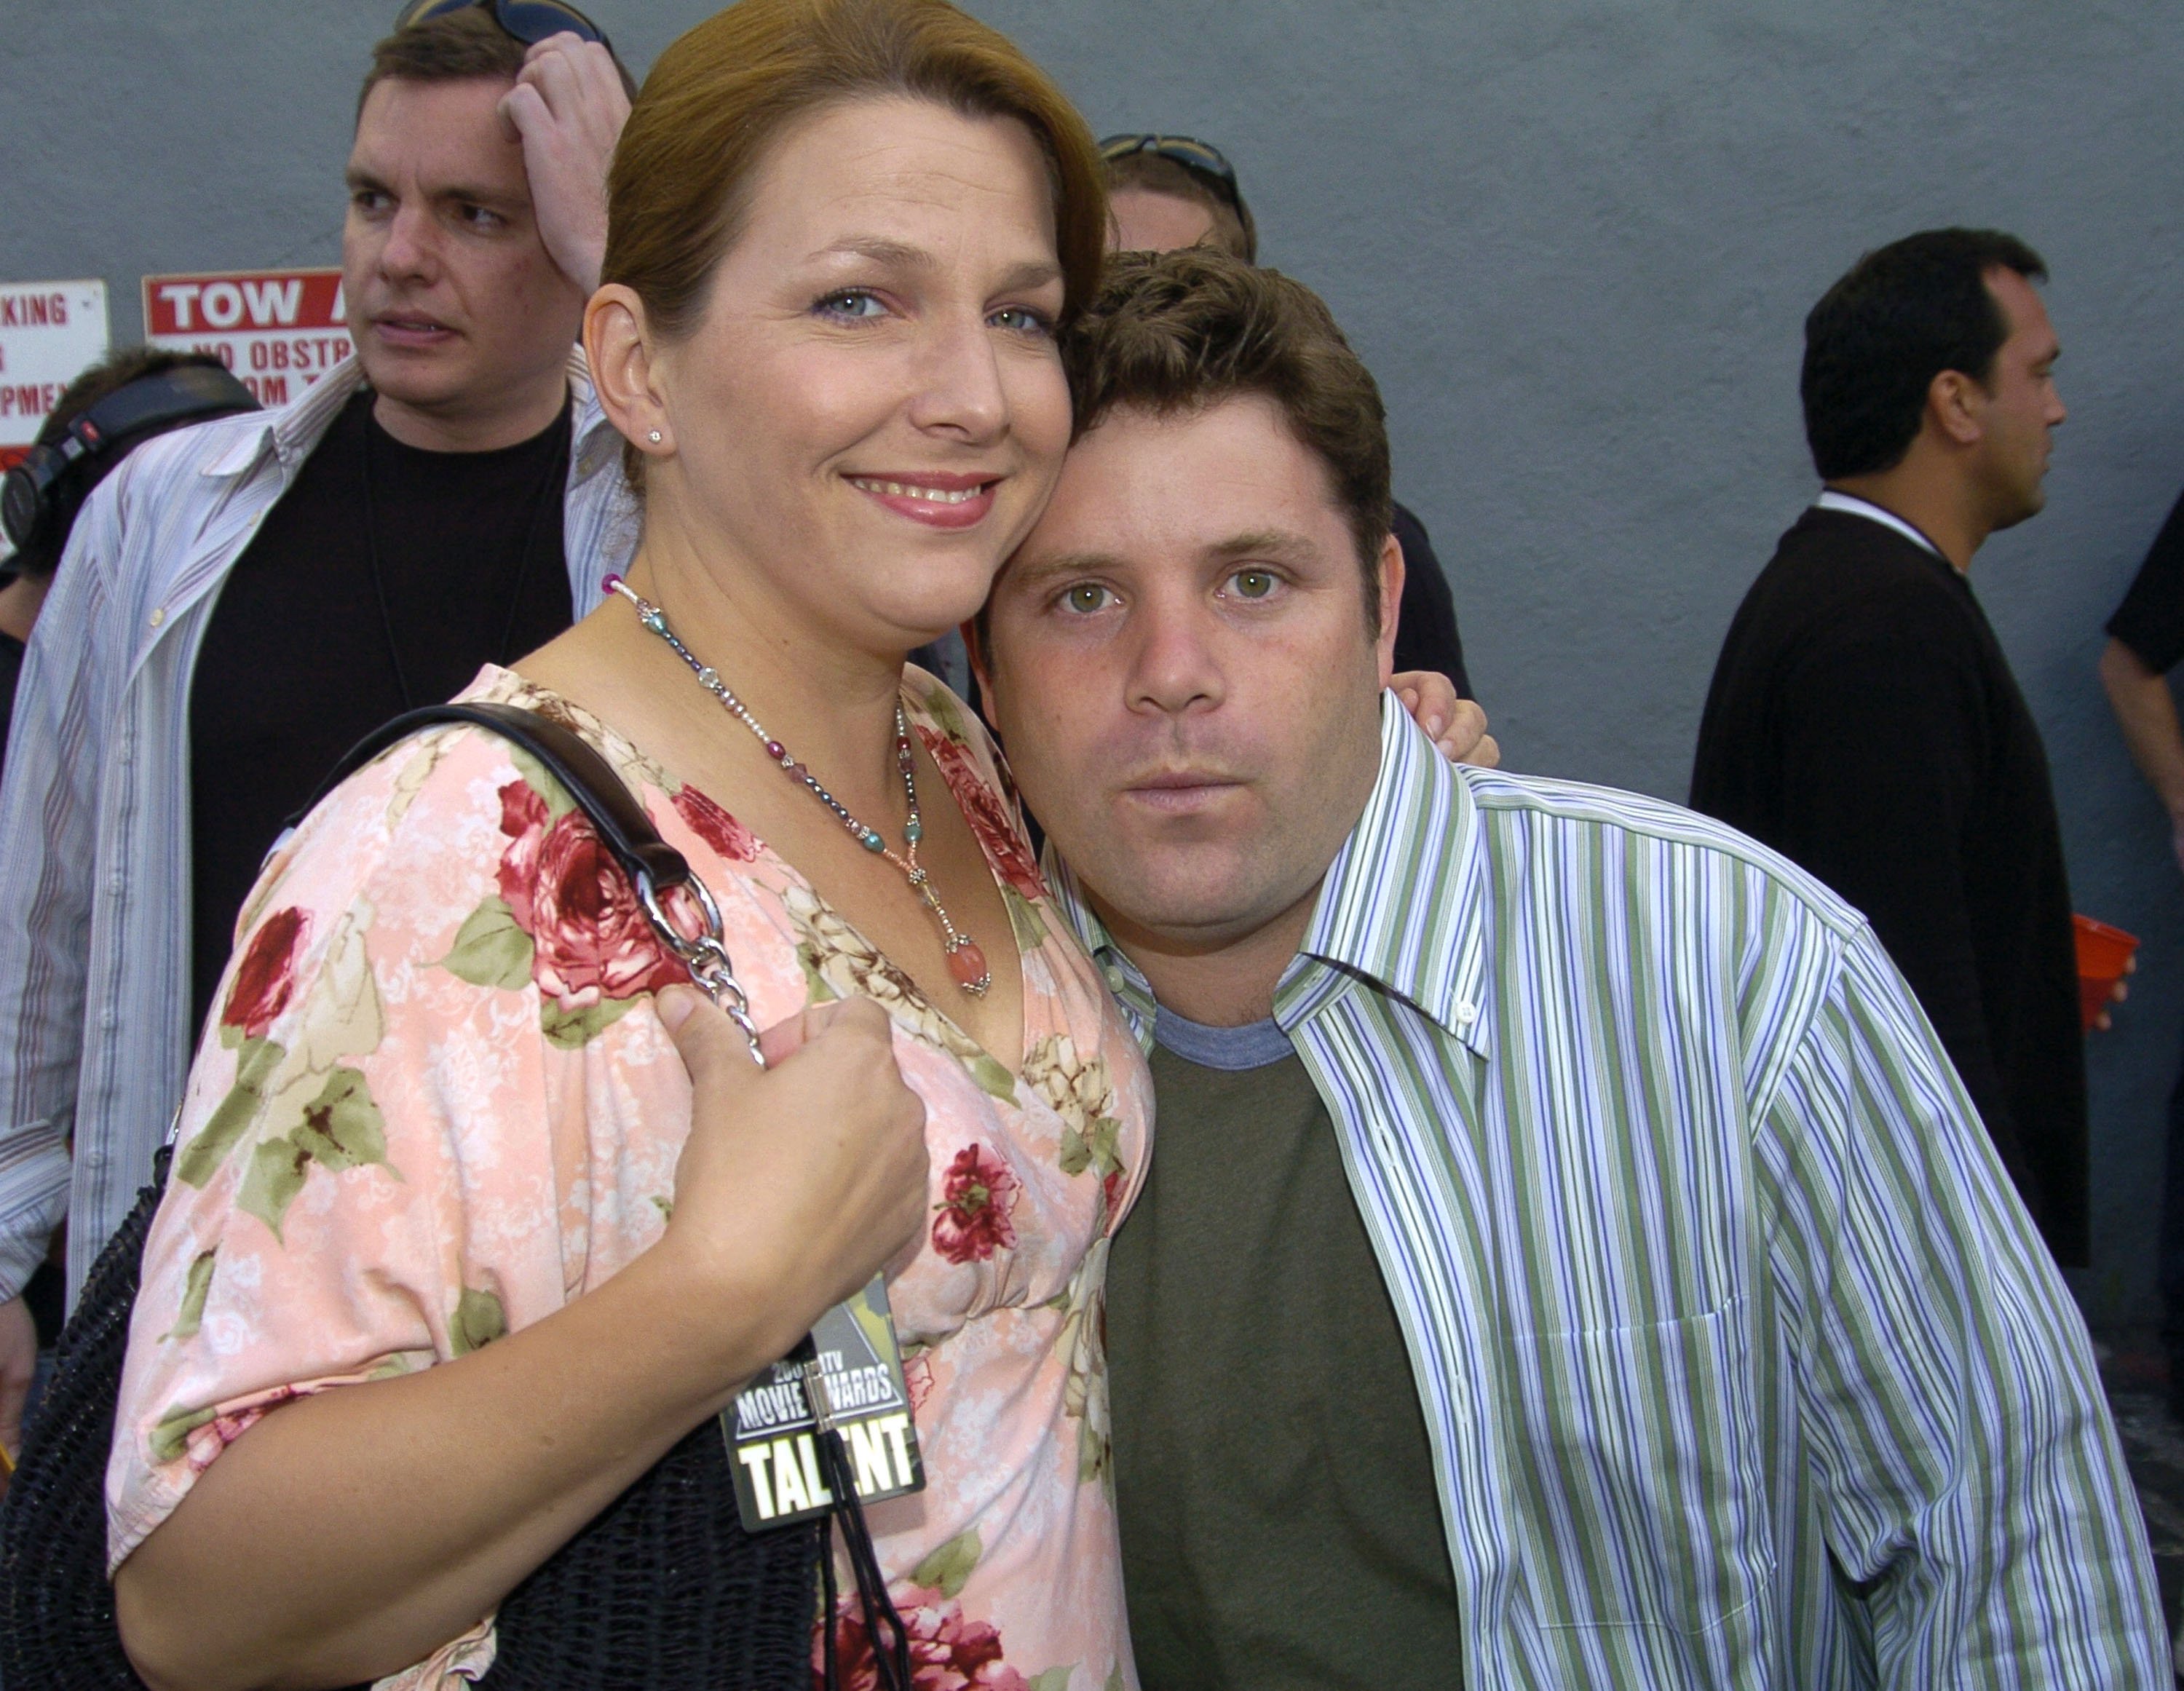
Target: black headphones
x,y
41,495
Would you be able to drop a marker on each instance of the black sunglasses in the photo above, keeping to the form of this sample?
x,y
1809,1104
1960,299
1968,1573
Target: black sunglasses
x,y
529,21
1194,155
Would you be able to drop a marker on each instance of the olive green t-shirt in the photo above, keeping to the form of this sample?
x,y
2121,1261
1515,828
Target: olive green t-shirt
x,y
1280,1527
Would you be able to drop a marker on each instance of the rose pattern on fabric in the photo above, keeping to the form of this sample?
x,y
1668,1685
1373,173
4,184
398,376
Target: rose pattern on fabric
x,y
264,978
839,962
1084,1393
566,919
298,1101
524,818
998,834
594,940
916,1376
972,1220
715,827
464,824
1081,1092
947,1651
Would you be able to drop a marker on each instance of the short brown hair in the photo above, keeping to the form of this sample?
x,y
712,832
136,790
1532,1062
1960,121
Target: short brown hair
x,y
454,47
719,96
1179,331
1232,232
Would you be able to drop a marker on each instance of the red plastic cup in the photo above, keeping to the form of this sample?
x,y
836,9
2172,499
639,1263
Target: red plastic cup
x,y
2103,952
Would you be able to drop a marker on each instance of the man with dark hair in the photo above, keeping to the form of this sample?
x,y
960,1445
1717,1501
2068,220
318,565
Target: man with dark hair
x,y
1170,191
244,599
1863,718
1566,1258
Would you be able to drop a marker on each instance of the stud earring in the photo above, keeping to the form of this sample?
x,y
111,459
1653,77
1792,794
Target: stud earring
x,y
654,437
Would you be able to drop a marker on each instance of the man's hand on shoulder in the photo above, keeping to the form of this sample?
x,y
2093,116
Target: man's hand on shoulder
x,y
567,108
1457,725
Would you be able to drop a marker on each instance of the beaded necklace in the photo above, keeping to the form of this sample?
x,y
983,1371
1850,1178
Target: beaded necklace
x,y
966,961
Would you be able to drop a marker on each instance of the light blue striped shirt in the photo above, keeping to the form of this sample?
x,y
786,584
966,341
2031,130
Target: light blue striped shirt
x,y
1741,1363
95,804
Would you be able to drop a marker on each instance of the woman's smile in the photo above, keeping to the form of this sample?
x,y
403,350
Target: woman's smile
x,y
934,497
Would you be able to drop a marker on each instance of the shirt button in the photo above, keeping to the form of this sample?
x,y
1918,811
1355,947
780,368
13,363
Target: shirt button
x,y
116,882
94,1158
1466,1014
159,616
107,1019
1114,976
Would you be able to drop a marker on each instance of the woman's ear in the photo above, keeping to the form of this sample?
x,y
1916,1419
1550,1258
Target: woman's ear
x,y
619,347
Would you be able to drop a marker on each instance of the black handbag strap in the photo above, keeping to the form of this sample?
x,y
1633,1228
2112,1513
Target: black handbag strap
x,y
651,863
598,790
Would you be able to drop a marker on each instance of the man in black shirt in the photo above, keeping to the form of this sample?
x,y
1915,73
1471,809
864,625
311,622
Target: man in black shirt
x,y
1863,718
2146,641
424,535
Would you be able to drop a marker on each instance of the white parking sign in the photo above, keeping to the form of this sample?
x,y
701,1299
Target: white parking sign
x,y
49,331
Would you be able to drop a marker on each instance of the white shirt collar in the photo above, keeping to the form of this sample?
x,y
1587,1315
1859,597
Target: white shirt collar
x,y
1830,500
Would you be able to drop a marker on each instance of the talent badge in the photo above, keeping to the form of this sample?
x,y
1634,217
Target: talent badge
x,y
853,1385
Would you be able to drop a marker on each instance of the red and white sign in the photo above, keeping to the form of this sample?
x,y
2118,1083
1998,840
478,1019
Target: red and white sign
x,y
280,330
49,331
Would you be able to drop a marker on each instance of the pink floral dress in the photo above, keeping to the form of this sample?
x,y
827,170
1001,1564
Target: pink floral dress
x,y
435,1106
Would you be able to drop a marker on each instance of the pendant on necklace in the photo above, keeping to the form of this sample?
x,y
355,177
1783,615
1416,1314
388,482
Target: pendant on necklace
x,y
966,960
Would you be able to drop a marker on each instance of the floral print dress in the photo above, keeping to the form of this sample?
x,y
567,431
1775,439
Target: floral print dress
x,y
435,1106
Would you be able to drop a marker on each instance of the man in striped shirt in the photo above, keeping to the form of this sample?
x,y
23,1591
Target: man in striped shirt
x,y
1568,1258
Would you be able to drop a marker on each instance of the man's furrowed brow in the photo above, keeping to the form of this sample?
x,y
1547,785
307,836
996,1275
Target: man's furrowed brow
x,y
1031,275
493,199
1273,543
1030,574
359,181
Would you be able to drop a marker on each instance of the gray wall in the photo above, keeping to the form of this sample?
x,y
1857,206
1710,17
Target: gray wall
x,y
1576,242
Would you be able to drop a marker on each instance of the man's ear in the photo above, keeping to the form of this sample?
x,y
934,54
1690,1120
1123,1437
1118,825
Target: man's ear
x,y
1957,404
1391,605
625,372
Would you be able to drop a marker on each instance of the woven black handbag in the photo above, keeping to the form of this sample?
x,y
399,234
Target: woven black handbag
x,y
663,1590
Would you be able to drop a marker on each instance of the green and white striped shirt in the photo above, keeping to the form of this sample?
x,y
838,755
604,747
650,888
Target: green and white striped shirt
x,y
1741,1366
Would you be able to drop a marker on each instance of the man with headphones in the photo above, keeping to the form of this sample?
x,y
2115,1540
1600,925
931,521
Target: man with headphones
x,y
243,598
105,414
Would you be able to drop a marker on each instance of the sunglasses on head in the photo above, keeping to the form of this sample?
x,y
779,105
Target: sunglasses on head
x,y
1194,155
529,21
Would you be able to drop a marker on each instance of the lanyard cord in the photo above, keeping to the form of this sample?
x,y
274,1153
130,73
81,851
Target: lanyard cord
x,y
549,496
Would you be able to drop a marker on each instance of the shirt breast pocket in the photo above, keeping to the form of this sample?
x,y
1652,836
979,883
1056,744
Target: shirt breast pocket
x,y
1642,1456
